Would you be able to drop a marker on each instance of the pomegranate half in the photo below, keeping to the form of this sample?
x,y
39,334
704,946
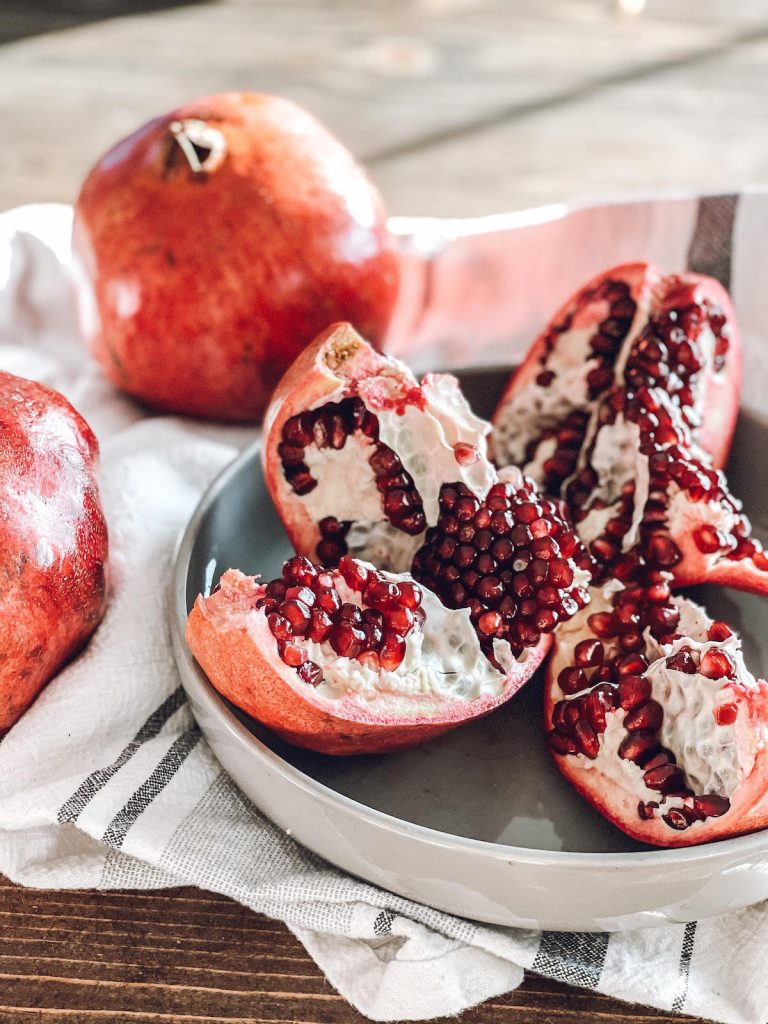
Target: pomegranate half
x,y
356,450
349,660
652,715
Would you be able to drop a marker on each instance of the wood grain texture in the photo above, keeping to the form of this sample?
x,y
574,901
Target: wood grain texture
x,y
184,955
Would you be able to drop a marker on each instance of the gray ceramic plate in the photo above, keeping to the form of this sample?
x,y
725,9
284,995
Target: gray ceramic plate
x,y
478,822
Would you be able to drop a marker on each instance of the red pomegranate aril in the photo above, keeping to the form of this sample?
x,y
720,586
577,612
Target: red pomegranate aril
x,y
586,739
719,632
636,745
726,714
383,595
320,625
662,551
279,626
350,614
647,716
299,569
410,595
717,664
708,539
275,589
588,653
677,819
392,652
631,665
634,691
297,614
631,643
711,805
489,623
537,572
302,594
664,757
466,454
663,778
596,705
572,680
291,654
682,661
399,620
347,641
561,743
310,673
560,573
603,625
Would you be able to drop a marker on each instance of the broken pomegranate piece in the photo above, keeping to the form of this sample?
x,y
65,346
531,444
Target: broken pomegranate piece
x,y
356,450
652,715
349,660
632,327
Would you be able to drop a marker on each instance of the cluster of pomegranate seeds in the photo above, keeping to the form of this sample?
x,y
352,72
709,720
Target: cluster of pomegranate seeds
x,y
305,604
673,466
605,345
329,427
668,352
509,559
608,672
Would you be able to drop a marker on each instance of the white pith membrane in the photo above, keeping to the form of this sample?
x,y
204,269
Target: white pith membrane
x,y
422,438
540,407
712,760
443,663
617,460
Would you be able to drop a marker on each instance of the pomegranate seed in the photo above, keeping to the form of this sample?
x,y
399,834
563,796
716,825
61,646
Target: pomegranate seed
x,y
719,631
708,539
347,640
717,664
647,716
297,613
711,806
392,652
311,673
291,654
545,378
400,620
572,680
279,626
676,818
760,560
726,714
602,624
489,623
560,573
320,625
662,551
588,653
560,743
597,704
300,570
586,739
634,691
682,661
328,600
382,594
646,810
631,643
350,614
631,665
410,595
466,454
275,589
663,778
662,758
636,745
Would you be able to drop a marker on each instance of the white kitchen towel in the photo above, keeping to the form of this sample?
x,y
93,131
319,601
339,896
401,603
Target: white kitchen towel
x,y
107,782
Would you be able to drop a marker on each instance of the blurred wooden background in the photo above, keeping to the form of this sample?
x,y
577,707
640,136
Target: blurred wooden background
x,y
459,107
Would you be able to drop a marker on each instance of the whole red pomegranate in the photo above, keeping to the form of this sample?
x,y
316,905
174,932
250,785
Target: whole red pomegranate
x,y
53,540
213,244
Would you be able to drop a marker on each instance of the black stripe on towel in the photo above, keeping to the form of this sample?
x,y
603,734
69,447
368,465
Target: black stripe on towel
x,y
575,958
686,956
127,816
89,787
712,242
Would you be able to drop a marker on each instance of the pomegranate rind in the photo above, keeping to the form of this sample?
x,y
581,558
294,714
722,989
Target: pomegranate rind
x,y
654,293
232,643
619,804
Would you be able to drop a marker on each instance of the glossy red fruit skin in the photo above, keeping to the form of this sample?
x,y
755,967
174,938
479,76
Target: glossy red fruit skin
x,y
53,540
198,289
235,648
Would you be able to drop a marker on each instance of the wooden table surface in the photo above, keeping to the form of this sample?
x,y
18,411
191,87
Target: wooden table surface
x,y
459,107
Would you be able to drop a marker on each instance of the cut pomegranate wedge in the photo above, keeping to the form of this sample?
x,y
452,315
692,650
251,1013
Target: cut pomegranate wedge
x,y
349,660
648,494
630,326
355,451
652,715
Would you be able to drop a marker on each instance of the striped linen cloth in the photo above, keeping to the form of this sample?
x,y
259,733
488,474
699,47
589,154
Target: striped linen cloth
x,y
107,782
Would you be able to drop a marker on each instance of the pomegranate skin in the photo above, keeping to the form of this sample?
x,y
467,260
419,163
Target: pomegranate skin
x,y
237,651
203,272
53,540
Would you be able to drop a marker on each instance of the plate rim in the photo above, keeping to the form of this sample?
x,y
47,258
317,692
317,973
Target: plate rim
x,y
190,672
